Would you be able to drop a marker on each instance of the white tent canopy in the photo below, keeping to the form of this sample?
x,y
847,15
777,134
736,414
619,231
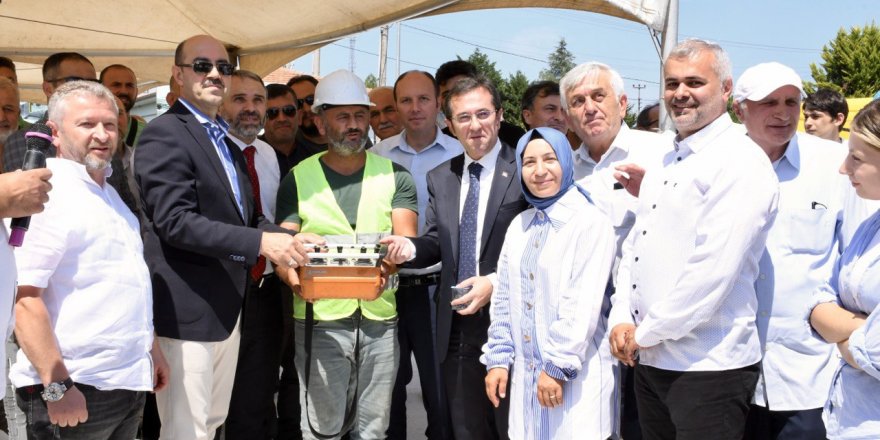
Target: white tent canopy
x,y
264,35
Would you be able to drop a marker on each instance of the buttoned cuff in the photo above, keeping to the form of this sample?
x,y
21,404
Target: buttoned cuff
x,y
644,337
557,373
493,278
412,250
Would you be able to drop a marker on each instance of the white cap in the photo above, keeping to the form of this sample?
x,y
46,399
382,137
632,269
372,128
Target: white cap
x,y
763,79
341,88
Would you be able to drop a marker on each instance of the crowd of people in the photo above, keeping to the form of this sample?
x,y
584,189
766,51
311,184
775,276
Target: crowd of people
x,y
578,280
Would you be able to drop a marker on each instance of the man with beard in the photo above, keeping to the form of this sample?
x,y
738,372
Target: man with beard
x,y
685,298
203,232
122,82
384,117
251,408
308,137
344,194
283,117
84,319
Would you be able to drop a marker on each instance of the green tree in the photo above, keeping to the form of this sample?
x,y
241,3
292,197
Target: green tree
x,y
486,67
630,118
515,86
371,81
850,63
560,61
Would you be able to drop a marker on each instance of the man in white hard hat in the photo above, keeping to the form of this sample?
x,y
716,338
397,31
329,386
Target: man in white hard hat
x,y
346,194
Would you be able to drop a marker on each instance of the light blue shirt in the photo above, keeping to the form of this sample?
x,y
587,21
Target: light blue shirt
x,y
802,248
419,163
222,150
851,411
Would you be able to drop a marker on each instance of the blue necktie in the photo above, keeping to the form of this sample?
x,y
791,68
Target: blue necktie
x,y
467,228
218,136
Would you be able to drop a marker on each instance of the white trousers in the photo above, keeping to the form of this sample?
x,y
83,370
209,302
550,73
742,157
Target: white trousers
x,y
196,400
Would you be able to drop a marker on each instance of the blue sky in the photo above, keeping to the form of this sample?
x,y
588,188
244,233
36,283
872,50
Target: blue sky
x,y
752,31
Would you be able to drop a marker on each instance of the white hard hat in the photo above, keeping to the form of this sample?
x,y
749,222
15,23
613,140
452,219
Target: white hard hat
x,y
341,88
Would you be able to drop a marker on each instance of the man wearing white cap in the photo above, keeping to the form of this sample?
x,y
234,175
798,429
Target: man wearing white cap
x,y
346,354
802,249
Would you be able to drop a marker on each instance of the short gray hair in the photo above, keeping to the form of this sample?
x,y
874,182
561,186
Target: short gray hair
x,y
59,99
580,73
691,48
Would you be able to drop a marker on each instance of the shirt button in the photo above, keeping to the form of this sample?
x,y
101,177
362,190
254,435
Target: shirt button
x,y
527,338
636,311
654,206
762,276
634,286
678,159
644,232
531,276
664,182
536,244
540,215
529,306
637,258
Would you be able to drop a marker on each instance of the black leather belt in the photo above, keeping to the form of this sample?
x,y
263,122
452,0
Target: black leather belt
x,y
428,279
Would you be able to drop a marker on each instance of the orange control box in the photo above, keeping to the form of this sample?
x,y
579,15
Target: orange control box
x,y
340,282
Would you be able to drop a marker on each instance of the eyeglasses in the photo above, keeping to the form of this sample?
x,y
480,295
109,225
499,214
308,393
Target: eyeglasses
x,y
205,67
288,110
68,79
310,100
481,115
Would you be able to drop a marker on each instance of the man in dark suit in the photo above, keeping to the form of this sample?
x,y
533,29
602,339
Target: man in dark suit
x,y
203,233
473,199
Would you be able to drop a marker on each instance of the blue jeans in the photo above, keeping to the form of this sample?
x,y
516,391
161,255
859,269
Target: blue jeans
x,y
333,375
113,415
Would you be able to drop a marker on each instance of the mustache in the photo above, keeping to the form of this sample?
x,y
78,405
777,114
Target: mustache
x,y
353,131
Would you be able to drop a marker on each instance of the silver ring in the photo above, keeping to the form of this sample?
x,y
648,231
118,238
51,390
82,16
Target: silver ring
x,y
553,396
291,262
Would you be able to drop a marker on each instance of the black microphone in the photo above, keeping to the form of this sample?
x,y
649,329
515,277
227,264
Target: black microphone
x,y
37,139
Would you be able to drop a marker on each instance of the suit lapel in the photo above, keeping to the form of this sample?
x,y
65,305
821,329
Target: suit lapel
x,y
452,183
207,147
505,171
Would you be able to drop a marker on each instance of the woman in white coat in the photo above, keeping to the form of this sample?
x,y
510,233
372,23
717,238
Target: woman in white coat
x,y
547,342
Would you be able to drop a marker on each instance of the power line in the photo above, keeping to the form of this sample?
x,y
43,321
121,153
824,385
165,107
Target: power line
x,y
506,52
376,55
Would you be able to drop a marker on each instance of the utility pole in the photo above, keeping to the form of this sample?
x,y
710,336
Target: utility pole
x,y
639,88
316,63
351,42
383,53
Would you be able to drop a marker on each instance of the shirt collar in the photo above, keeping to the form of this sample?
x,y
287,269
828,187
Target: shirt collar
x,y
619,143
705,136
77,170
242,144
487,161
561,212
402,145
792,153
203,118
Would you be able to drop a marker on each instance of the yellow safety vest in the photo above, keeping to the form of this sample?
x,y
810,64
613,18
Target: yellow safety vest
x,y
320,214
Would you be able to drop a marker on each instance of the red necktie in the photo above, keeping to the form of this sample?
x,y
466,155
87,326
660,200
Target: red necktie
x,y
260,267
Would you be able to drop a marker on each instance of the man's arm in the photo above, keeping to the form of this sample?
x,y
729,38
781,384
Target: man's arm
x,y
37,340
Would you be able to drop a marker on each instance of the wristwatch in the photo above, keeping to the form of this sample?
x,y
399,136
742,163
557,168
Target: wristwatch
x,y
55,390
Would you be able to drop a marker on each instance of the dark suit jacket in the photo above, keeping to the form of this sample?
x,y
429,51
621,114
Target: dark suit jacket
x,y
440,240
196,243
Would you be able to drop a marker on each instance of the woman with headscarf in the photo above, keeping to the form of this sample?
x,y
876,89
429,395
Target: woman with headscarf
x,y
848,310
548,325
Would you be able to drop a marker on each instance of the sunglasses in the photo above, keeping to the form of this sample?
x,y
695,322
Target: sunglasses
x,y
68,79
273,112
205,67
307,100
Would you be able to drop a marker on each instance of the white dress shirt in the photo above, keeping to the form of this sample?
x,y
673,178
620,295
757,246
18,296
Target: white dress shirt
x,y
642,148
802,248
851,411
86,251
688,271
548,315
266,163
487,175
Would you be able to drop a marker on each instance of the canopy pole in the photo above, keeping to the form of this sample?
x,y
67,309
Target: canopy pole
x,y
670,39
